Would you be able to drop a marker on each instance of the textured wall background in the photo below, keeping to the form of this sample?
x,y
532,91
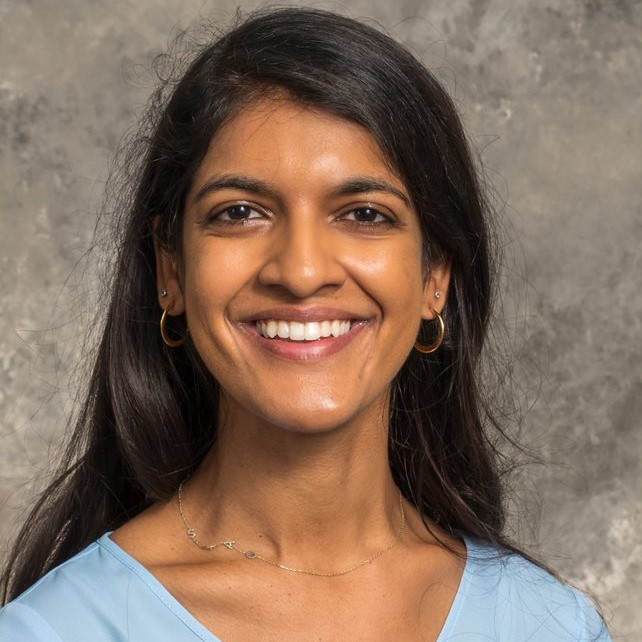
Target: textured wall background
x,y
551,94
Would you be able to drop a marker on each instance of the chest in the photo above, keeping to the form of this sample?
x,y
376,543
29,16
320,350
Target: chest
x,y
273,607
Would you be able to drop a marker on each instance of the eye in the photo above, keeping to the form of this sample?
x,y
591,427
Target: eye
x,y
367,216
237,213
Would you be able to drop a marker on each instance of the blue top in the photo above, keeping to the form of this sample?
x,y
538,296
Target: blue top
x,y
104,595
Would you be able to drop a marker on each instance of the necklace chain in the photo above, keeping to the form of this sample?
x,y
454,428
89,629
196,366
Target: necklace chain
x,y
230,544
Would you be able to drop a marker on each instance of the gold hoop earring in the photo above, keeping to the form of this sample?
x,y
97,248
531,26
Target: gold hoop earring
x,y
167,340
433,347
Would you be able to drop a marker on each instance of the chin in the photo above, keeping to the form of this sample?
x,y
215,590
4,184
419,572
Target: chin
x,y
314,419
310,407
320,417
312,424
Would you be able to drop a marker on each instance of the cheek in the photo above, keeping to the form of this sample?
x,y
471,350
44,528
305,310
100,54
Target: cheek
x,y
393,277
213,275
217,266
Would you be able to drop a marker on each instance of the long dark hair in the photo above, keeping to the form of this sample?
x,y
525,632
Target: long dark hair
x,y
146,421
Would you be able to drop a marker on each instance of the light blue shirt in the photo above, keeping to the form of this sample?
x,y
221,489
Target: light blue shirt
x,y
104,595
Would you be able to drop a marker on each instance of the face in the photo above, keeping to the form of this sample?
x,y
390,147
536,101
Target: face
x,y
301,272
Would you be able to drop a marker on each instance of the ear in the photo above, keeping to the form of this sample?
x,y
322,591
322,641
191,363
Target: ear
x,y
436,288
167,277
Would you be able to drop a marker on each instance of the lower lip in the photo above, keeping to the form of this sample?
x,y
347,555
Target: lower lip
x,y
305,350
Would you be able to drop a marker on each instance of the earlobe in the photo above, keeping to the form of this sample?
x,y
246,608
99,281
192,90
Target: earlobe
x,y
436,289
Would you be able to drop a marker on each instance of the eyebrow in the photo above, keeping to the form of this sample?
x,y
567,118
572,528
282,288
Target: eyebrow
x,y
361,184
355,185
234,182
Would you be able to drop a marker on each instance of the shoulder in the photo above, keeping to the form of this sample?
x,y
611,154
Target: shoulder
x,y
100,594
84,588
517,600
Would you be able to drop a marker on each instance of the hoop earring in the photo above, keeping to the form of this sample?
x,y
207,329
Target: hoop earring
x,y
433,347
167,340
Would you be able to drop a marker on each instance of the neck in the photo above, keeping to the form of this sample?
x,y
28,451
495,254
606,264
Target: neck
x,y
296,497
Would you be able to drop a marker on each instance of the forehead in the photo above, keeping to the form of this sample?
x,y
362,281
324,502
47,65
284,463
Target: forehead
x,y
286,142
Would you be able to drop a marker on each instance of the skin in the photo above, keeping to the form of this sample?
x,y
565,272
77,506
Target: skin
x,y
295,214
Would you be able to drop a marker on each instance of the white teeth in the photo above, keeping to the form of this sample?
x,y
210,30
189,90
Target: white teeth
x,y
312,331
297,331
337,328
283,330
326,328
271,329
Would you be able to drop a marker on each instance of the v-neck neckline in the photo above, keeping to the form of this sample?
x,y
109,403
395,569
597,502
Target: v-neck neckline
x,y
206,635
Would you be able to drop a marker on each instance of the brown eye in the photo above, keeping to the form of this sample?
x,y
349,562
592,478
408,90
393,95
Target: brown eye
x,y
237,213
367,215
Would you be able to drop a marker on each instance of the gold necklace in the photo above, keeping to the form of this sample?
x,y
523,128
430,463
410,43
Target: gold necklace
x,y
230,544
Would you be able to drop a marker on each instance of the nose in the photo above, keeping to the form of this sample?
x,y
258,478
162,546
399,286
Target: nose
x,y
303,257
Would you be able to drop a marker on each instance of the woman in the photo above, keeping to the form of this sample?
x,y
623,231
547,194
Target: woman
x,y
284,437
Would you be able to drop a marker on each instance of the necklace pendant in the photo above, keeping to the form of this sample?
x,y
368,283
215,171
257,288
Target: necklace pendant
x,y
230,544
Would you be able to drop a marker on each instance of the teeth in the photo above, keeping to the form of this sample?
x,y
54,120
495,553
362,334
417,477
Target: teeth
x,y
271,329
283,330
312,331
297,331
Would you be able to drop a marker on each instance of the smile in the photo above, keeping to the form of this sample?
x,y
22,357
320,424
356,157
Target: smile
x,y
299,331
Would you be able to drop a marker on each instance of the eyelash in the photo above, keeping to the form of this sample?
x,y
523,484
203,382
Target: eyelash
x,y
217,217
385,220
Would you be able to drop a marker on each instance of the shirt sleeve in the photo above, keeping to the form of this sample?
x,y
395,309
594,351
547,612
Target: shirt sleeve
x,y
19,623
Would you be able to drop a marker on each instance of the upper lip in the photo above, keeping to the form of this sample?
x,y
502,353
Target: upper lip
x,y
304,315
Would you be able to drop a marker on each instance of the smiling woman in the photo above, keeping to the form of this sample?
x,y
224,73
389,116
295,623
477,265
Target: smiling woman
x,y
294,228
300,451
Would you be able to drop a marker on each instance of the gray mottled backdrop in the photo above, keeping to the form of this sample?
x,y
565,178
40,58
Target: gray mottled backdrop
x,y
550,91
